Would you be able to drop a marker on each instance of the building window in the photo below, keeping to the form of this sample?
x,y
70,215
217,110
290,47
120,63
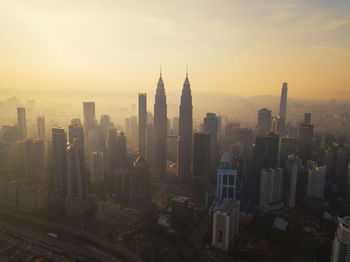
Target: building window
x,y
220,235
230,193
225,179
232,180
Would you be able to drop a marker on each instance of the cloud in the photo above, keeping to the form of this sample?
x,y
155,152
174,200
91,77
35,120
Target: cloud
x,y
335,24
323,50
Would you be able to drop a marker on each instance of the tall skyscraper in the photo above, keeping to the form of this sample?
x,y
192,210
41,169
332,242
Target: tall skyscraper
x,y
21,123
76,200
201,169
341,242
150,147
264,121
265,155
41,127
184,155
210,125
291,175
316,180
97,167
89,114
76,132
142,124
306,131
283,109
288,146
59,161
160,130
112,149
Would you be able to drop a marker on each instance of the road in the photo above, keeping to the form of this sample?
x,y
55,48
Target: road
x,y
116,250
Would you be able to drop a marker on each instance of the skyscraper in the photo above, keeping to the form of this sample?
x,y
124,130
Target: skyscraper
x,y
288,146
210,125
306,131
264,121
76,200
271,188
59,161
89,114
291,175
283,109
142,124
150,147
97,167
41,127
160,130
316,179
201,169
21,123
184,157
341,242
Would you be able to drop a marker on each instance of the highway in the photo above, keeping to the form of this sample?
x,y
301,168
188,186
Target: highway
x,y
115,250
55,243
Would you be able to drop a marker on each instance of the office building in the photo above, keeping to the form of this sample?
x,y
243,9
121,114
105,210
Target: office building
x,y
341,242
89,114
271,188
210,125
181,215
306,131
160,131
291,176
226,224
142,124
97,167
201,169
41,127
316,180
264,121
150,147
184,154
21,123
288,146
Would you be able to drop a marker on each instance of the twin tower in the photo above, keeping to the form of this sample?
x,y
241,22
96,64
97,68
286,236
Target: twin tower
x,y
184,151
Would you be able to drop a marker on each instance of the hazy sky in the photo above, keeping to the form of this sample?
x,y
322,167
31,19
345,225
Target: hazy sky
x,y
245,47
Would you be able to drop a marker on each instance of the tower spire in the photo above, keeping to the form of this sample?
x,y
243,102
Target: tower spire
x,y
160,74
187,71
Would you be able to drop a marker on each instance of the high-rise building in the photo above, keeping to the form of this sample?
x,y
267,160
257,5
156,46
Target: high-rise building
x,y
121,150
150,144
316,179
210,125
271,188
97,167
306,131
105,123
112,149
76,200
41,127
184,154
291,175
89,114
75,131
142,124
175,125
226,224
264,121
39,159
21,123
29,157
283,110
160,131
341,242
140,184
59,162
201,169
226,183
288,146
265,155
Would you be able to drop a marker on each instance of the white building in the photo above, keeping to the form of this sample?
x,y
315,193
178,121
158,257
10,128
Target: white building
x,y
291,175
341,242
271,185
97,167
226,224
316,180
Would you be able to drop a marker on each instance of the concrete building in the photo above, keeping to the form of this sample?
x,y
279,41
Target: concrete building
x,y
306,131
210,125
264,121
226,224
181,211
21,123
142,124
201,169
341,242
97,167
288,146
316,180
41,127
271,188
291,175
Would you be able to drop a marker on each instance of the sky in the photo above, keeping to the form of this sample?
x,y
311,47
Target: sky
x,y
243,47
